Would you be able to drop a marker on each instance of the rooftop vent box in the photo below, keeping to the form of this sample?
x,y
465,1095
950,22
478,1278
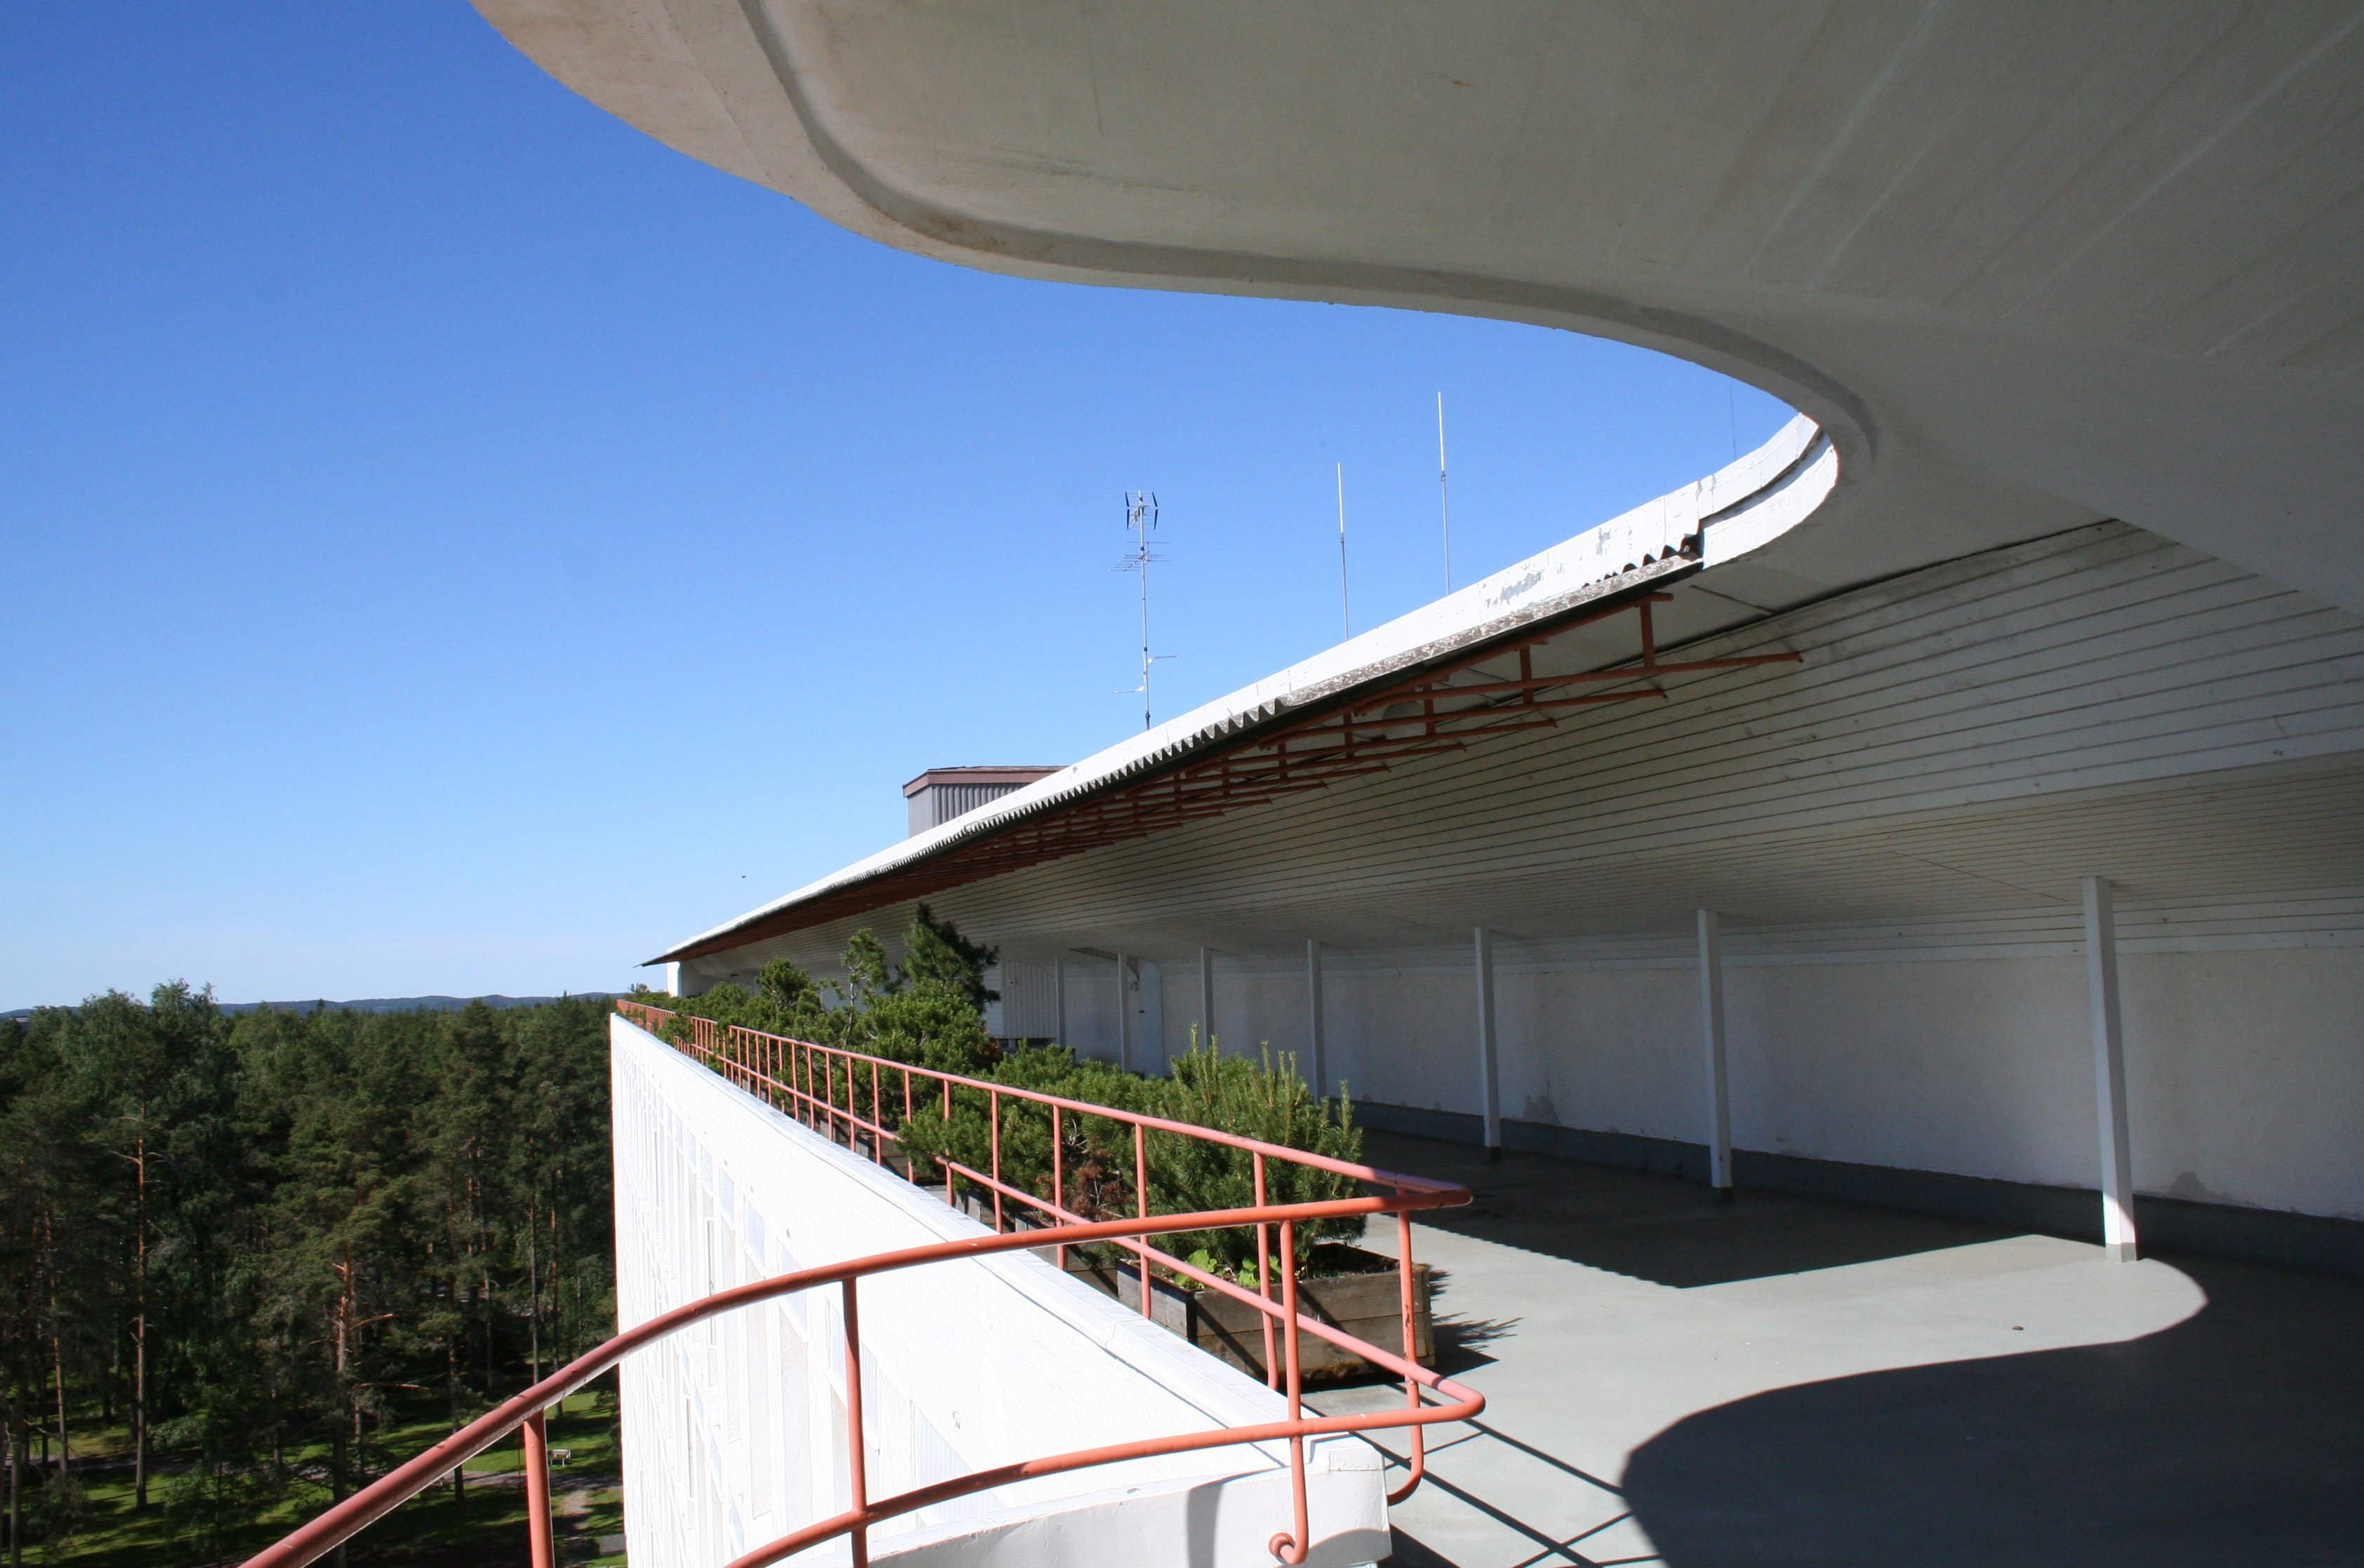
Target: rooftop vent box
x,y
938,795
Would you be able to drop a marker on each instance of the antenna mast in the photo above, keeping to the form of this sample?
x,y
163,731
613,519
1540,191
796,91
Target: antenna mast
x,y
1345,607
1141,519
1444,497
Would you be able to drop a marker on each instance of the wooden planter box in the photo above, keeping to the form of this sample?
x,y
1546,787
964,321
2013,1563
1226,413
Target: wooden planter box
x,y
1367,1305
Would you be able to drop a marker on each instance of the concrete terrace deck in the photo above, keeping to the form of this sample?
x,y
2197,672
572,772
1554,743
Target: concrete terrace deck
x,y
1783,1380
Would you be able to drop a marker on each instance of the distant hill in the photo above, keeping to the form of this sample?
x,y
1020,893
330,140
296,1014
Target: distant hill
x,y
385,1003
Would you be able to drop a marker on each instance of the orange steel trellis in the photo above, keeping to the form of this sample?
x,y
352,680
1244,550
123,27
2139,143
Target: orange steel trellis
x,y
806,1080
1437,709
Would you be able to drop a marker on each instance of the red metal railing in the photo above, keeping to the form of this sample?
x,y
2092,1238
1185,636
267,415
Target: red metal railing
x,y
814,1075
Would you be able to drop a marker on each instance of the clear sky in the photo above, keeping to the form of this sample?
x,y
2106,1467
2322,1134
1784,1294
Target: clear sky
x,y
453,543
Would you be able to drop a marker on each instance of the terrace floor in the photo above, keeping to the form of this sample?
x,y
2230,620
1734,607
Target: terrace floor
x,y
1780,1380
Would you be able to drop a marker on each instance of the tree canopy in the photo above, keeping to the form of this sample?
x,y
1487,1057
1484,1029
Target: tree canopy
x,y
245,1237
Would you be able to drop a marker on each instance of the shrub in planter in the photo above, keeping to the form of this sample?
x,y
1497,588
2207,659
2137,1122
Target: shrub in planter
x,y
1265,1100
1262,1099
929,1012
1096,1154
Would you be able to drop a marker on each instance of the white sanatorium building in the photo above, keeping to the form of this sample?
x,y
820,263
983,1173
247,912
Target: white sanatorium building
x,y
1957,805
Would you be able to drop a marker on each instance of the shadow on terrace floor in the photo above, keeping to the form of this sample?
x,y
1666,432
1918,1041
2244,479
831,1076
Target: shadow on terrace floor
x,y
1667,1230
2233,1438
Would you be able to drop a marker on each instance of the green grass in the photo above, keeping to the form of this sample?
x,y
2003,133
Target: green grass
x,y
432,1529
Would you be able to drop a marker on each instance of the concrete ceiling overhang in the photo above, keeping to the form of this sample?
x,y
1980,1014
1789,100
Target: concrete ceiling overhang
x,y
2029,263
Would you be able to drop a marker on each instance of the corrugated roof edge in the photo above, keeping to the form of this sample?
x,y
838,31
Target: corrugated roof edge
x,y
1747,503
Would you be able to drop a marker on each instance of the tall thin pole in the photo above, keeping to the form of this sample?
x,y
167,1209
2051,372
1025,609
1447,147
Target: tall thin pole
x,y
1141,517
1718,1075
1345,607
1443,497
2119,1241
1144,629
1489,1066
1317,1035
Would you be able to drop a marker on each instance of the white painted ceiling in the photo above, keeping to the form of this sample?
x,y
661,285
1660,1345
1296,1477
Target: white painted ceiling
x,y
2031,263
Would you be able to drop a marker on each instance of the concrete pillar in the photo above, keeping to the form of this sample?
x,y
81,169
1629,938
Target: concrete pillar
x,y
1059,1003
1124,1030
1316,1030
1489,1077
1206,999
1719,1081
672,978
2110,1070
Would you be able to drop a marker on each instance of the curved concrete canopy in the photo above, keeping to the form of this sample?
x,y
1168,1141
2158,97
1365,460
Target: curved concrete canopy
x,y
2029,263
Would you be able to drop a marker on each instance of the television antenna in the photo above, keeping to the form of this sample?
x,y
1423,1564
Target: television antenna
x,y
1141,520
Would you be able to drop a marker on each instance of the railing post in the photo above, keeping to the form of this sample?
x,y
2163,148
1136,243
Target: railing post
x,y
1293,1547
543,1552
993,1100
859,1536
1140,1196
948,1122
1058,1184
1264,1279
877,1118
1411,1352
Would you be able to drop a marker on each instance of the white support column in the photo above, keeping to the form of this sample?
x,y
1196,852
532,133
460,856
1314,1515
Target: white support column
x,y
1124,1011
1317,1031
1719,1082
1489,1080
672,978
1206,999
1059,1003
2110,1070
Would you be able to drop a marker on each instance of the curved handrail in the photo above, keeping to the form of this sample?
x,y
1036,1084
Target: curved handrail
x,y
634,1010
365,1507
735,1057
714,1043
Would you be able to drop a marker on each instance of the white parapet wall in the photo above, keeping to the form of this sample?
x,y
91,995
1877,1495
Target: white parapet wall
x,y
734,1431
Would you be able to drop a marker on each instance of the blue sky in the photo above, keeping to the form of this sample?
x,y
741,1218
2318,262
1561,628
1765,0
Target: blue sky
x,y
455,544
